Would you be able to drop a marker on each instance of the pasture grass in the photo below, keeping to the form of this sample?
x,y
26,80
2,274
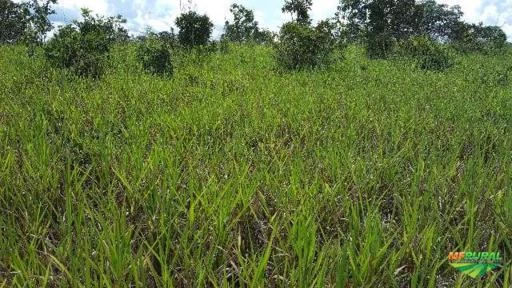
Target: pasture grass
x,y
233,174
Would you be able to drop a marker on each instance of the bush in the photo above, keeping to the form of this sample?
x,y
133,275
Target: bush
x,y
84,56
437,60
429,54
224,46
301,46
265,37
380,46
195,29
155,57
83,47
169,39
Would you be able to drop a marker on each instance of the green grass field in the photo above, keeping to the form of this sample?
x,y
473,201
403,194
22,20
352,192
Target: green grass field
x,y
232,174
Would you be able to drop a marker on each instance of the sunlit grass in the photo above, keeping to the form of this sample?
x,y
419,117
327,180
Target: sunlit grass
x,y
231,174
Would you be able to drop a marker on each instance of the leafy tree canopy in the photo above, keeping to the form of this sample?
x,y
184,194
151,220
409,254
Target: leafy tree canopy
x,y
244,28
300,10
26,21
14,20
194,29
383,22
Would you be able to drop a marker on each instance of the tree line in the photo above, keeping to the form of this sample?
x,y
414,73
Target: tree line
x,y
383,23
424,30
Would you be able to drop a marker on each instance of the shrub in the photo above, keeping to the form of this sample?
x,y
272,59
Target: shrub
x,y
83,47
436,60
224,46
155,57
301,46
265,37
430,55
168,38
380,46
84,56
212,47
194,29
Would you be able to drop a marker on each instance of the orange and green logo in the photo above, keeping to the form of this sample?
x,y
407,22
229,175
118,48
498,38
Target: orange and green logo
x,y
475,264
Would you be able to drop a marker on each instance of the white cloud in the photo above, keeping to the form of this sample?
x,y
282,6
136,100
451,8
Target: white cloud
x,y
146,20
324,9
97,6
160,15
217,10
259,16
490,12
469,7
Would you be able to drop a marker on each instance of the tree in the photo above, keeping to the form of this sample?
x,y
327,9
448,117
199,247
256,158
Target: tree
x,y
384,22
26,21
14,20
402,18
301,46
477,38
166,36
194,29
265,36
244,28
84,46
373,21
355,14
439,21
299,8
492,35
110,28
40,23
377,21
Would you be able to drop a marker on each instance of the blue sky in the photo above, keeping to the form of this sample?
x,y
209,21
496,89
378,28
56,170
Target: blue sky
x,y
159,15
